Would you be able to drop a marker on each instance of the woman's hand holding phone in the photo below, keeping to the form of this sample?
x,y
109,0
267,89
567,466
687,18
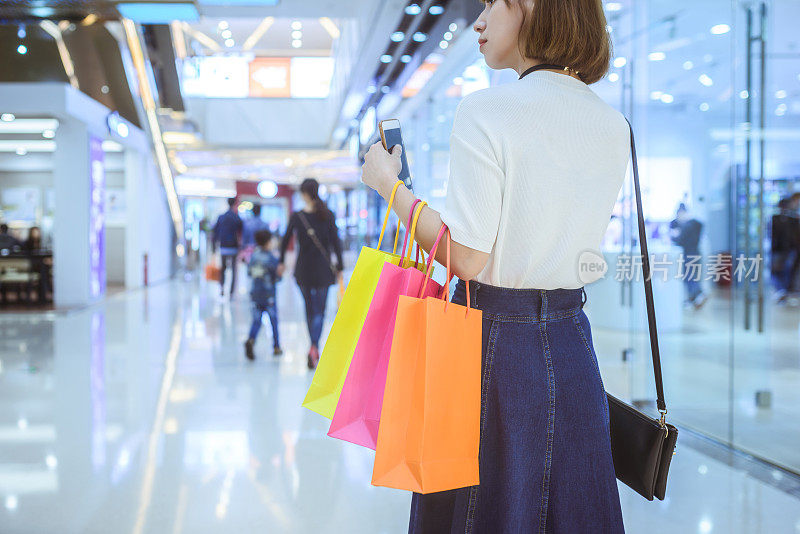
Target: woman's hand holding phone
x,y
381,168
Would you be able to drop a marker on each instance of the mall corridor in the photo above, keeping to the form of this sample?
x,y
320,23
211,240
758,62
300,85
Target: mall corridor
x,y
141,415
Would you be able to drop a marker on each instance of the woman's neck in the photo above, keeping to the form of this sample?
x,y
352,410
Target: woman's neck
x,y
526,63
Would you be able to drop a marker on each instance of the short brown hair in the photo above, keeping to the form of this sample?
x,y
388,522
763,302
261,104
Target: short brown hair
x,y
571,33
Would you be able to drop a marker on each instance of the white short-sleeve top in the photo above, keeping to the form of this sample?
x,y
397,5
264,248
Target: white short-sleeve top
x,y
536,166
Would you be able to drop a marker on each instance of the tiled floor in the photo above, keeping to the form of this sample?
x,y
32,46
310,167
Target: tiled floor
x,y
142,416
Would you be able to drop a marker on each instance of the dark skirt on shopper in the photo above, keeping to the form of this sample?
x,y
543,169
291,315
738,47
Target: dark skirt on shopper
x,y
545,451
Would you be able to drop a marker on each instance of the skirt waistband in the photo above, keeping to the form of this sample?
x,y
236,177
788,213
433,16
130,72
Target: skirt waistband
x,y
536,304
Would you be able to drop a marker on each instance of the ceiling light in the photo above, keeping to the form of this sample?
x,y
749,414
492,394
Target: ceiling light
x,y
223,25
704,106
706,80
385,89
744,94
656,56
48,134
288,162
297,43
21,33
51,461
609,28
420,37
780,94
436,10
372,89
688,65
405,58
267,189
226,34
386,58
297,25
7,117
297,34
620,62
21,152
667,98
656,95
22,49
229,43
781,109
398,36
453,26
613,6
448,36
11,502
413,9
613,77
443,45
720,29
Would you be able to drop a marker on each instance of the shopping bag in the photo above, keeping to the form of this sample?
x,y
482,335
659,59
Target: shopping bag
x,y
430,421
213,270
358,412
323,394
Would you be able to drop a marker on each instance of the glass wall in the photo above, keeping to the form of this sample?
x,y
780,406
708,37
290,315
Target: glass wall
x,y
718,133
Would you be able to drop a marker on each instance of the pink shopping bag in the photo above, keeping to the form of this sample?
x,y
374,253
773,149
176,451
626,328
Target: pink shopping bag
x,y
358,412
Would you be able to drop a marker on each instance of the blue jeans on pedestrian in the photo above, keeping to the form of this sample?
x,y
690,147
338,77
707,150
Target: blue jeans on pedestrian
x,y
315,298
271,309
545,460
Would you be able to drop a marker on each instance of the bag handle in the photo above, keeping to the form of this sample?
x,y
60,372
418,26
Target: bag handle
x,y
386,219
408,227
648,286
412,233
446,288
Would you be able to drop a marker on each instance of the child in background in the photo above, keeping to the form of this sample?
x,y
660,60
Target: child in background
x,y
262,269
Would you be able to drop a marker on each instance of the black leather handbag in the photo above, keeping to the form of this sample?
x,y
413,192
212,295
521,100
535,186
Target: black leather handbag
x,y
642,446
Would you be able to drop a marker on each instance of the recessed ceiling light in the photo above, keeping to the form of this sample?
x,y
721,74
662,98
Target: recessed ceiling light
x,y
780,93
620,62
656,95
385,89
21,152
7,117
48,134
657,56
288,162
613,6
21,33
223,25
720,29
613,77
688,65
667,98
372,89
453,26
297,43
706,80
229,43
297,25
436,10
744,94
226,34
405,58
398,36
448,36
386,58
413,9
22,49
297,34
781,110
420,37
704,106
443,45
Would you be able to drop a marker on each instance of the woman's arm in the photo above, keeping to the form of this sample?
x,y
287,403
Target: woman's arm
x,y
380,172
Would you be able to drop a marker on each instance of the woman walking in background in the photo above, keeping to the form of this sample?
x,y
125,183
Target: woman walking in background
x,y
317,236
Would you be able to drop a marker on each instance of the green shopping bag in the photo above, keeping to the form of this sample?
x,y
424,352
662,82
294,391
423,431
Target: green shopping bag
x,y
326,386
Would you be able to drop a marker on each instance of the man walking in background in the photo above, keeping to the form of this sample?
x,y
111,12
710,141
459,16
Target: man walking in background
x,y
227,235
685,232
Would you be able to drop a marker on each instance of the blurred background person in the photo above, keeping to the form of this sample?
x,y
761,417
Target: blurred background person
x,y
317,235
34,241
263,271
227,235
251,226
7,241
785,241
685,232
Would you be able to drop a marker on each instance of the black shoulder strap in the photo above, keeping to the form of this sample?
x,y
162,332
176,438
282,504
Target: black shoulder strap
x,y
648,287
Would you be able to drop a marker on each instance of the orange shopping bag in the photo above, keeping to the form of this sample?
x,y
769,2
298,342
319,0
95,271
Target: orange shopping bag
x,y
430,420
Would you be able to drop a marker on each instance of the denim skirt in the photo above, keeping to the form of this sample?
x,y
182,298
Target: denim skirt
x,y
545,449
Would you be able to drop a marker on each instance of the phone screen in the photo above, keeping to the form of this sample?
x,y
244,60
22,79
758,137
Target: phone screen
x,y
392,137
